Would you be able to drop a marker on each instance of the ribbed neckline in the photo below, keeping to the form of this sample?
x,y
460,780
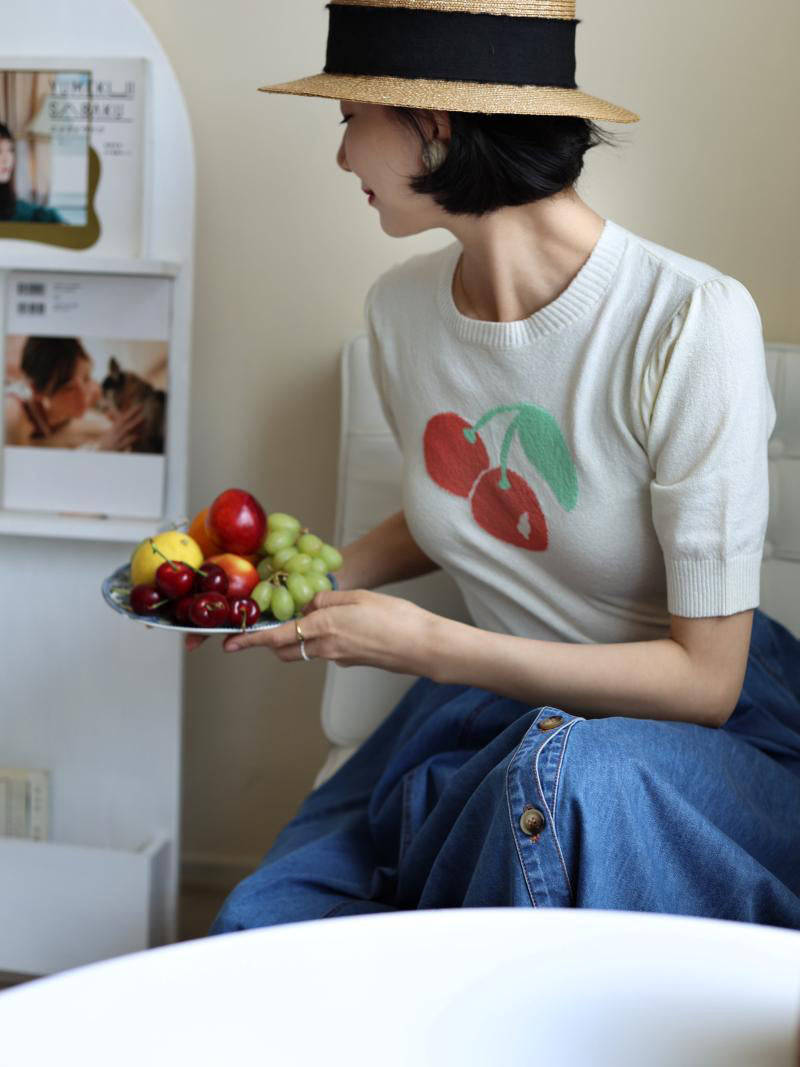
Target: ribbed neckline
x,y
581,294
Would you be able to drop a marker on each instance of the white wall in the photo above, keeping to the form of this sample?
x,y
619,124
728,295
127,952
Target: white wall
x,y
287,247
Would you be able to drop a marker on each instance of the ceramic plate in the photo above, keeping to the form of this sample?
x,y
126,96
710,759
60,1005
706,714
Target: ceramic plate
x,y
116,593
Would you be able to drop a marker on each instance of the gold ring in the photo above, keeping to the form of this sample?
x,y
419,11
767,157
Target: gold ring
x,y
298,631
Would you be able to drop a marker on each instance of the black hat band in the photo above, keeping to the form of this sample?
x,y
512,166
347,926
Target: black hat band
x,y
450,45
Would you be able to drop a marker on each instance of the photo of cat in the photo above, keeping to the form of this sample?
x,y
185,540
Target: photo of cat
x,y
124,390
86,393
57,396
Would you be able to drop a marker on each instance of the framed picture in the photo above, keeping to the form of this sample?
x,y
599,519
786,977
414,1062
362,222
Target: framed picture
x,y
72,152
86,390
44,150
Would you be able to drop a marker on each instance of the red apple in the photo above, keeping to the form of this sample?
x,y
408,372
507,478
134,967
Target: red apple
x,y
242,575
236,522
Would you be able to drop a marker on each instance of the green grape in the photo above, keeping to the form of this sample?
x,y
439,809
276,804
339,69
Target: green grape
x,y
310,543
317,581
299,564
278,539
319,564
282,603
262,594
279,520
282,557
300,588
332,556
264,569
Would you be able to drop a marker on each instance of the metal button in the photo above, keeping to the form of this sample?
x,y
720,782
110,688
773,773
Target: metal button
x,y
550,722
531,822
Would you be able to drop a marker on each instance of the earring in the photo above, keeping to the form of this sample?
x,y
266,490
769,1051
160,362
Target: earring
x,y
434,154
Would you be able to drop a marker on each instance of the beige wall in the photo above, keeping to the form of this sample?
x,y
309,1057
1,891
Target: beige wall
x,y
287,247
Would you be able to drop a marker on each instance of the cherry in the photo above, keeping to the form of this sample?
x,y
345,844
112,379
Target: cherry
x,y
209,609
145,599
211,578
453,459
179,609
244,611
511,514
175,580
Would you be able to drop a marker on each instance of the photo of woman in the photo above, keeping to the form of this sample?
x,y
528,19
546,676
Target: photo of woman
x,y
12,207
44,150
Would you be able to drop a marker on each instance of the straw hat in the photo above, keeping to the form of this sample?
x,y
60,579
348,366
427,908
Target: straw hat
x,y
511,56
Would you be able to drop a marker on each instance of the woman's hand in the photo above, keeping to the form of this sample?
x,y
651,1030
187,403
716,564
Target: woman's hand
x,y
124,430
350,627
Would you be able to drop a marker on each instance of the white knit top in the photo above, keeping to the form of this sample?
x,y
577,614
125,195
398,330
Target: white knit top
x,y
589,470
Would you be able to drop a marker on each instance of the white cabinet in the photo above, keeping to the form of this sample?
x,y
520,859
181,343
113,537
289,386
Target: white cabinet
x,y
84,693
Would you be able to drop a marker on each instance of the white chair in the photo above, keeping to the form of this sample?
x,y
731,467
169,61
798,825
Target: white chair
x,y
357,699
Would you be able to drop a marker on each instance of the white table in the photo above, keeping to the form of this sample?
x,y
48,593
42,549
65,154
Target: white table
x,y
490,986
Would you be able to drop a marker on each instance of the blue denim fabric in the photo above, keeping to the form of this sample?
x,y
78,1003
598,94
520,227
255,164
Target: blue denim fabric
x,y
636,814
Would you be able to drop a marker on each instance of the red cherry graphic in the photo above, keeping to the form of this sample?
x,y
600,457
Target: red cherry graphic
x,y
511,514
453,459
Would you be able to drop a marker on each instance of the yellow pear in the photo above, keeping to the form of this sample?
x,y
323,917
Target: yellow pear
x,y
174,544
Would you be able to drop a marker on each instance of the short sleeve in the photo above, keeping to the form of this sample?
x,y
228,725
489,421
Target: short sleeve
x,y
709,413
377,365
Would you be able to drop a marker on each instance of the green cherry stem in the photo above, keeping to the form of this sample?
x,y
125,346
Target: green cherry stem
x,y
504,483
160,553
502,410
172,563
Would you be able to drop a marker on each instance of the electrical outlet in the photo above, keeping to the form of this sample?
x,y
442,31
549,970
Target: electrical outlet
x,y
24,803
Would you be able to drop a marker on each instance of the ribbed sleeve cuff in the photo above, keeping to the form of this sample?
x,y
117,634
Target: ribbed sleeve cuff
x,y
699,587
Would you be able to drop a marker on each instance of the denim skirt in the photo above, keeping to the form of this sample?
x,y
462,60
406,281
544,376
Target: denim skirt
x,y
463,798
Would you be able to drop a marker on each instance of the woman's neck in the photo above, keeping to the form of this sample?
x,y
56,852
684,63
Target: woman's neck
x,y
517,260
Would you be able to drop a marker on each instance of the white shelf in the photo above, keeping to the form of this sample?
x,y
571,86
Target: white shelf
x,y
77,527
48,259
72,905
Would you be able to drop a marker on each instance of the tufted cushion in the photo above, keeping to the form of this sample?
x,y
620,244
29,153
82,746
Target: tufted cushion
x,y
357,699
780,573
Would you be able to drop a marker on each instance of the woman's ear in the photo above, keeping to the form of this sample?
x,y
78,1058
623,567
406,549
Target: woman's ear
x,y
443,129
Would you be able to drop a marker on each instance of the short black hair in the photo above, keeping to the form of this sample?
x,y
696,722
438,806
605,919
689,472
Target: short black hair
x,y
500,160
49,362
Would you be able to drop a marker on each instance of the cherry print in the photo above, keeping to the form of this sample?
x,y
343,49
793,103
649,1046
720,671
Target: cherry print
x,y
454,454
511,514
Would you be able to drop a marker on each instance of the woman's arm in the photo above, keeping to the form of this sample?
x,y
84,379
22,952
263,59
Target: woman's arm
x,y
695,676
386,554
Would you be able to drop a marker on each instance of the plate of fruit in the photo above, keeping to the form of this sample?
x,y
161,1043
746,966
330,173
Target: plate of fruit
x,y
235,568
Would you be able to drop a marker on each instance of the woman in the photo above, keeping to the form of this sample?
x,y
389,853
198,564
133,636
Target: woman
x,y
58,388
12,209
583,416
